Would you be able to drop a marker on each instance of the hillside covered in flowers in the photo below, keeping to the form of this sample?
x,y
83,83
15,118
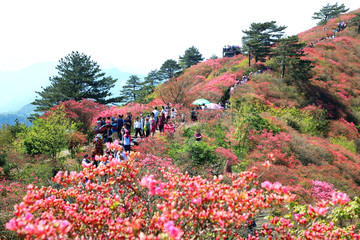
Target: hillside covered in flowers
x,y
280,161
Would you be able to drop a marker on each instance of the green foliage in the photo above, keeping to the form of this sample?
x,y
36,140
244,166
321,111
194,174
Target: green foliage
x,y
191,57
349,213
153,78
260,37
328,12
8,133
169,68
200,152
303,121
78,78
249,119
345,143
216,131
287,52
41,171
249,115
49,135
131,90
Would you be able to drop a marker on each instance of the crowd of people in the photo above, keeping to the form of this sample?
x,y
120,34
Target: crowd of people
x,y
121,127
229,48
340,27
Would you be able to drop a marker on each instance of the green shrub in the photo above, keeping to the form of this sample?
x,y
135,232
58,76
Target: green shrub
x,y
40,171
302,121
200,152
342,141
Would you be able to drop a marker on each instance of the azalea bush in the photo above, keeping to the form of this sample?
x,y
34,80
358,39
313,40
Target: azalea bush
x,y
81,112
120,200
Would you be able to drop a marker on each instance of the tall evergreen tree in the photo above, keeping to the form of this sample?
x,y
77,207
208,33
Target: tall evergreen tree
x,y
288,52
78,77
153,78
260,37
328,12
169,68
130,91
191,57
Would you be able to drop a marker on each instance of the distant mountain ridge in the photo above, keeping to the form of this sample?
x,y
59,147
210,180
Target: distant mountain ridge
x,y
22,114
19,87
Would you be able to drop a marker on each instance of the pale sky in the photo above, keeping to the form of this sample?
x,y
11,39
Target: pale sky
x,y
137,36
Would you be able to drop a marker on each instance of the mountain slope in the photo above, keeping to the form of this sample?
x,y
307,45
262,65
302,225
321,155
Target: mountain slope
x,y
309,127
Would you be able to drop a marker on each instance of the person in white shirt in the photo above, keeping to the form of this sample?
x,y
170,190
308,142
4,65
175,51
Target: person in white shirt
x,y
156,114
137,127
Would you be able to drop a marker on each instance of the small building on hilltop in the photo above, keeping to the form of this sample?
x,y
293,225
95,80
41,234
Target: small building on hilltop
x,y
231,51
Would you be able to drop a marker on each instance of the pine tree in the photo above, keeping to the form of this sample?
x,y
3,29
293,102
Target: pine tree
x,y
191,57
260,37
328,12
153,78
169,68
288,52
130,91
78,78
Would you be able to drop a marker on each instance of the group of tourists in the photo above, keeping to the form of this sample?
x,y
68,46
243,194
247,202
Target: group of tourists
x,y
94,159
121,127
229,48
340,27
194,114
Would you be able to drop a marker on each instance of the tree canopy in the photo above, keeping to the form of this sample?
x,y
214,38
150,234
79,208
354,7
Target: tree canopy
x,y
130,91
191,57
153,78
169,68
49,135
78,78
288,53
259,38
328,12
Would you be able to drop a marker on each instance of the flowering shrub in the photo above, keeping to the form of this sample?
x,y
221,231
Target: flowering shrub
x,y
227,155
343,128
81,112
75,141
267,143
118,201
322,190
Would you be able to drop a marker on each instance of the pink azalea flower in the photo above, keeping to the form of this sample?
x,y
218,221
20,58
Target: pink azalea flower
x,y
197,201
340,198
267,185
174,232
